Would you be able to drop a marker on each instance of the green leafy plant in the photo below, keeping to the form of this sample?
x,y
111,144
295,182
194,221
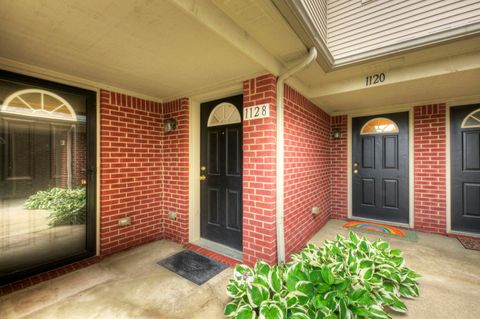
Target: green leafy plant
x,y
345,278
66,206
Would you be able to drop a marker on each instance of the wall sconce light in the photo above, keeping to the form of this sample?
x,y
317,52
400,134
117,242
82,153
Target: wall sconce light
x,y
170,125
336,133
2,141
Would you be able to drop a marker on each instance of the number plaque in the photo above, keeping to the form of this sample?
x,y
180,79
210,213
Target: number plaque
x,y
256,112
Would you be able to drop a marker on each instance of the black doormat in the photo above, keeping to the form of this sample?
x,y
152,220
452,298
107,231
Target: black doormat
x,y
192,266
470,243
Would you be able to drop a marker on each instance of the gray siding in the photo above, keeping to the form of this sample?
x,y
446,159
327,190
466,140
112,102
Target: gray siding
x,y
356,26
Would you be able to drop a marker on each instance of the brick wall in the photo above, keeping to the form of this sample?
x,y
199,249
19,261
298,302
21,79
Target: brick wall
x,y
339,168
430,168
307,169
131,171
259,237
175,161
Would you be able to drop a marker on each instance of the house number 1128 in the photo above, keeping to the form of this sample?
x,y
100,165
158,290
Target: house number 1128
x,y
374,79
256,112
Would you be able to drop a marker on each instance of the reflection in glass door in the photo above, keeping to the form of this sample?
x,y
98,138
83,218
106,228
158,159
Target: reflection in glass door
x,y
47,175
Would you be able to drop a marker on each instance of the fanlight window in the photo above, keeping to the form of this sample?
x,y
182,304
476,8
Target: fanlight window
x,y
472,120
223,114
379,125
38,103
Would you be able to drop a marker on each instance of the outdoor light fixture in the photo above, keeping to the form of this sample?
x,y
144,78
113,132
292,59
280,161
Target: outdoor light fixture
x,y
2,141
169,125
336,133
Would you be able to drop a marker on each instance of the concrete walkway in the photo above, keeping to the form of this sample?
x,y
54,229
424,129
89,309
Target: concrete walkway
x,y
132,285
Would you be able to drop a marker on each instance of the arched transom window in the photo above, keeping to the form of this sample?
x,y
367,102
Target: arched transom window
x,y
38,103
472,120
223,114
379,125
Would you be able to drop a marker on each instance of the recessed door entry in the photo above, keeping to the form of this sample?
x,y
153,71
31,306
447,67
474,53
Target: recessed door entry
x,y
380,167
221,171
465,168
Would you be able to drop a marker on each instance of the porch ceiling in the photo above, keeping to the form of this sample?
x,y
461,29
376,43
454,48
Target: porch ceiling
x,y
150,47
171,48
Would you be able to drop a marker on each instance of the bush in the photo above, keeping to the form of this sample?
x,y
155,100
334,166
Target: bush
x,y
346,278
66,206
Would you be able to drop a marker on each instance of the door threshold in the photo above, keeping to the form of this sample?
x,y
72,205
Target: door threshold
x,y
219,248
363,219
463,233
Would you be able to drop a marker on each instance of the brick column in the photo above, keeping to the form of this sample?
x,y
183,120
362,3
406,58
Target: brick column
x,y
259,238
339,168
430,210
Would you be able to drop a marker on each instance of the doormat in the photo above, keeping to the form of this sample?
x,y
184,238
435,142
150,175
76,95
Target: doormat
x,y
381,229
192,266
470,243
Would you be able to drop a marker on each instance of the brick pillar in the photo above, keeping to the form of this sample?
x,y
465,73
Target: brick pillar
x,y
339,167
175,161
259,237
430,190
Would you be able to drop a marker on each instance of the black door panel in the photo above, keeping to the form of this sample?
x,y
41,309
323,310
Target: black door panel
x,y
380,171
465,170
221,190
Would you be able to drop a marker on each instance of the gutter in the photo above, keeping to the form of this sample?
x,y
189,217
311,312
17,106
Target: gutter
x,y
280,169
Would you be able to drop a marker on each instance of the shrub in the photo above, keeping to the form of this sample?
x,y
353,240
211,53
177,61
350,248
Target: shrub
x,y
66,206
345,278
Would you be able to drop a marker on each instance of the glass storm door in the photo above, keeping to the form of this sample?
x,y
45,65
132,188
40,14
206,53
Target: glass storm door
x,y
47,175
380,167
465,166
221,171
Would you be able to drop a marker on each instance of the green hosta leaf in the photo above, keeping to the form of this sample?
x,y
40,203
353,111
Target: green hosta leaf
x,y
397,305
366,263
353,237
299,315
230,309
271,311
363,246
257,294
357,294
344,312
315,276
235,289
362,312
396,252
378,313
246,312
305,287
327,276
323,288
262,268
275,280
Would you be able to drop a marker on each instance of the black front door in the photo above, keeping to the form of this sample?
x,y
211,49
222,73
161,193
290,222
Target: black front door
x,y
380,167
221,171
465,167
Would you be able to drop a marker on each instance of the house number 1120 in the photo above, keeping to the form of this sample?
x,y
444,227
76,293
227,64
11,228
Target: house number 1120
x,y
374,79
256,112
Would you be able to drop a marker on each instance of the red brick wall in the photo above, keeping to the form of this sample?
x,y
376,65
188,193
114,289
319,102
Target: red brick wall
x,y
339,168
430,168
175,161
131,171
307,169
259,237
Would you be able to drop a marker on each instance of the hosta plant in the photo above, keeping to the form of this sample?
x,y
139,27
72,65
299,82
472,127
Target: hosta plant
x,y
66,206
345,278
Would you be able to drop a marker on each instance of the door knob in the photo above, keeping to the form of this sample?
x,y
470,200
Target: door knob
x,y
203,177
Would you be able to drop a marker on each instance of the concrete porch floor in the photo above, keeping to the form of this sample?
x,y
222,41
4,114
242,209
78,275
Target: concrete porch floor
x,y
132,285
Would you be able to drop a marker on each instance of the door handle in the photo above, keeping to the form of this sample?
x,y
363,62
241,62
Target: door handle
x,y
203,177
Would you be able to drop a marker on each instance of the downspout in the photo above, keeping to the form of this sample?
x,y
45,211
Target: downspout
x,y
280,152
